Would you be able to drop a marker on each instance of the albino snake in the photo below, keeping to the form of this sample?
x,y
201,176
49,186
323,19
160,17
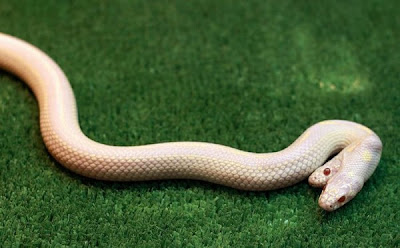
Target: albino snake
x,y
359,148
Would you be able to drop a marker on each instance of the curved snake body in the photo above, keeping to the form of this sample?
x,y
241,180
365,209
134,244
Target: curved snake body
x,y
343,177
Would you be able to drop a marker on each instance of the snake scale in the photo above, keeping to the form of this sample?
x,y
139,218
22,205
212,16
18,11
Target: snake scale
x,y
357,148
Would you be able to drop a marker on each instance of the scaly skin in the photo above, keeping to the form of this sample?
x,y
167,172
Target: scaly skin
x,y
360,147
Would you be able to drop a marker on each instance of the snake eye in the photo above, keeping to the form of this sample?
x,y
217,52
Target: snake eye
x,y
327,171
342,199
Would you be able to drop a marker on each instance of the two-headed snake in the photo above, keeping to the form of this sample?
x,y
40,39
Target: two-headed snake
x,y
358,148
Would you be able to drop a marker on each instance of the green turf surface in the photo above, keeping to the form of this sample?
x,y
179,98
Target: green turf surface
x,y
251,75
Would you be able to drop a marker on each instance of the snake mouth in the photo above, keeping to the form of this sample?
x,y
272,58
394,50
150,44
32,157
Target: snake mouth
x,y
329,208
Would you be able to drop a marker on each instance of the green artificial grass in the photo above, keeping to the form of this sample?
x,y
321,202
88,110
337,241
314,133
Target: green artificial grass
x,y
247,74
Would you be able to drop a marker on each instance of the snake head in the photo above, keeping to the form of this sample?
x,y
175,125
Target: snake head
x,y
320,177
340,190
354,165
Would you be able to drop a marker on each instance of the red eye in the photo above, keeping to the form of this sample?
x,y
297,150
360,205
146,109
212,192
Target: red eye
x,y
327,171
342,199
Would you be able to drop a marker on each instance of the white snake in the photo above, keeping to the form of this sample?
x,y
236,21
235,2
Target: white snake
x,y
359,148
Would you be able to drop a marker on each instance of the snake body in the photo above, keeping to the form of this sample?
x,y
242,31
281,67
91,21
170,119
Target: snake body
x,y
358,148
